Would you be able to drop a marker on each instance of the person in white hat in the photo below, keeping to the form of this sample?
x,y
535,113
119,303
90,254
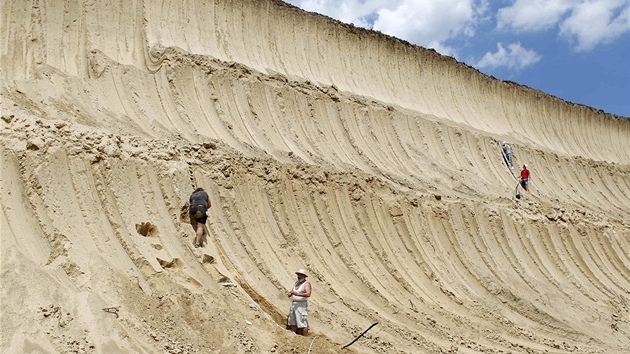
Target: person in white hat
x,y
298,313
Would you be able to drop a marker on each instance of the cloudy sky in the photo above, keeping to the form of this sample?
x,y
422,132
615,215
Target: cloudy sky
x,y
578,50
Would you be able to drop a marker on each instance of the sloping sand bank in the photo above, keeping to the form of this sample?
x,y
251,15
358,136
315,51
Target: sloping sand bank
x,y
369,162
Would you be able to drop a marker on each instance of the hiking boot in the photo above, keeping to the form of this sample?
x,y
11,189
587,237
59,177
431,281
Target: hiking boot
x,y
197,245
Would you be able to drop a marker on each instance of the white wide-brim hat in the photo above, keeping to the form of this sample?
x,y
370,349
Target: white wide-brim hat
x,y
301,271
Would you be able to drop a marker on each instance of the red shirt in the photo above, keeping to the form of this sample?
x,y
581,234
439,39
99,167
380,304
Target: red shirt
x,y
525,173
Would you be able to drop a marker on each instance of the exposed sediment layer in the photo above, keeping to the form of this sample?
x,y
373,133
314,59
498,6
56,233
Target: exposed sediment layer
x,y
369,162
273,38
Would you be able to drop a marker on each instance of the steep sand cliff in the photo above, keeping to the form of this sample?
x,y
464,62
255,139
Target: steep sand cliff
x,y
369,162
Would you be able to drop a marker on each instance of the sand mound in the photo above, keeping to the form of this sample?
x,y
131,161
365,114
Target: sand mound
x,y
371,163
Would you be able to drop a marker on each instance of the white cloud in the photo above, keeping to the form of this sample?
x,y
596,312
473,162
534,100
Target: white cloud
x,y
533,15
427,21
424,22
587,22
593,23
348,11
514,57
431,23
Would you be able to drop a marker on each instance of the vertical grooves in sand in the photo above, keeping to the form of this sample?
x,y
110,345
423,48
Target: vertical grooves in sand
x,y
369,162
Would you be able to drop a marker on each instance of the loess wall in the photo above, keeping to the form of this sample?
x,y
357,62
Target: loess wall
x,y
370,162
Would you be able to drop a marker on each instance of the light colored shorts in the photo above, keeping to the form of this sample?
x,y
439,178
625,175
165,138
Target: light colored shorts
x,y
298,314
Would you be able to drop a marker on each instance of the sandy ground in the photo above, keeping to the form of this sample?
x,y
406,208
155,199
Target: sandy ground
x,y
369,162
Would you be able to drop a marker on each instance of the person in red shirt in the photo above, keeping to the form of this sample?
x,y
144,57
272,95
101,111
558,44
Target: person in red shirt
x,y
525,177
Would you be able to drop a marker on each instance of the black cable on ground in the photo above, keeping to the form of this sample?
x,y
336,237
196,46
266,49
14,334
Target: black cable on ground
x,y
360,335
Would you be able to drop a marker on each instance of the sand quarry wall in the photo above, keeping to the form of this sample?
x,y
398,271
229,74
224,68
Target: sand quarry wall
x,y
372,163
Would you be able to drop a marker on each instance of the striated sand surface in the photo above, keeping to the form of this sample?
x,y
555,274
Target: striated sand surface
x,y
371,163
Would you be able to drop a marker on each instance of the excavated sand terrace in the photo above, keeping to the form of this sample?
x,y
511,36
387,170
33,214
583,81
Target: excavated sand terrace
x,y
371,163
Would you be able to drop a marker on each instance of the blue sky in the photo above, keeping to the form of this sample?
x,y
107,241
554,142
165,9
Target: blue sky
x,y
577,50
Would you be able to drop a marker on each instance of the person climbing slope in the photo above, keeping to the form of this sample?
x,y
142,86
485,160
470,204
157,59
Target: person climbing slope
x,y
525,177
199,207
507,151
